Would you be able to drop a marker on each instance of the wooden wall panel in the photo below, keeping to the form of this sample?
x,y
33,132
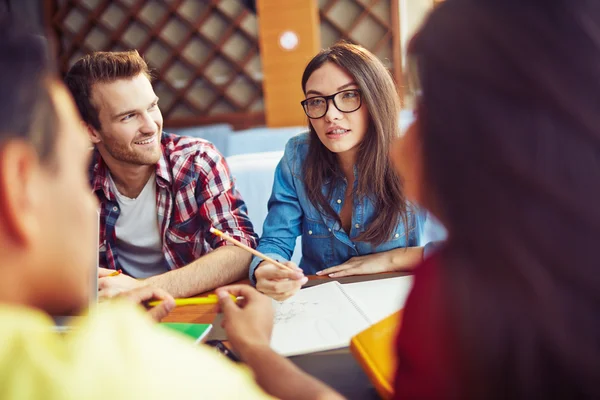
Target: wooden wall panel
x,y
282,68
205,53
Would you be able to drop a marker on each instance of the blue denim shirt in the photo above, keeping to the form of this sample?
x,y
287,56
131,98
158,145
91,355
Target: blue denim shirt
x,y
324,242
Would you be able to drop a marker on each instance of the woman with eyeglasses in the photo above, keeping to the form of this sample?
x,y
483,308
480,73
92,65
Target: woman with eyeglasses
x,y
505,150
335,186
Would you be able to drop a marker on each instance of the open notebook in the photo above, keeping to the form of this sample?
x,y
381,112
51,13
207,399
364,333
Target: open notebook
x,y
326,316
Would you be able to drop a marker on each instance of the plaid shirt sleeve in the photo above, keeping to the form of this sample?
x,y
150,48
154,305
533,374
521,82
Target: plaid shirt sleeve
x,y
220,205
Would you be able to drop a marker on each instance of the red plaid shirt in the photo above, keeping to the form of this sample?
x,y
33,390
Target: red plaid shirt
x,y
194,191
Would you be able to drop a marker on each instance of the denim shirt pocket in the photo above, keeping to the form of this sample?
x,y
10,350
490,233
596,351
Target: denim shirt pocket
x,y
401,236
316,241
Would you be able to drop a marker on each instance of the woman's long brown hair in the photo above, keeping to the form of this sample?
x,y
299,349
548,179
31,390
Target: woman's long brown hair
x,y
377,178
510,126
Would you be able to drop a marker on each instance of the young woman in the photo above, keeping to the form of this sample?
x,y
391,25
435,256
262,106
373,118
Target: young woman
x,y
506,152
336,185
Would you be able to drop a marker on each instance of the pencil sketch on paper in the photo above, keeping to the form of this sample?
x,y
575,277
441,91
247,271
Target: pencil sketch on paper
x,y
285,311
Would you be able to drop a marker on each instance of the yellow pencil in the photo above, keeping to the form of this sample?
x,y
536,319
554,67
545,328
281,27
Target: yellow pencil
x,y
210,299
249,249
117,272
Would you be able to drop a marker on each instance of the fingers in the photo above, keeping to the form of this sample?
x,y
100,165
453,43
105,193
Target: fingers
x,y
284,296
251,298
108,293
146,293
280,287
349,272
162,310
153,293
102,283
226,303
293,265
246,291
337,268
272,272
277,282
102,272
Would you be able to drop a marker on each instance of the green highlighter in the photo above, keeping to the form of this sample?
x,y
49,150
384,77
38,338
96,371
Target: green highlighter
x,y
196,331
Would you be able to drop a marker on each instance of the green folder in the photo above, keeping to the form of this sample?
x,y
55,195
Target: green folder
x,y
196,331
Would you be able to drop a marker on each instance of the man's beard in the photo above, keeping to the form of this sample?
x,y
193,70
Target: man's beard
x,y
124,153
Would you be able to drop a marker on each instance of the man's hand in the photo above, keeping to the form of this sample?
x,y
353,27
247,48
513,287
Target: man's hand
x,y
388,261
144,294
277,282
249,321
110,286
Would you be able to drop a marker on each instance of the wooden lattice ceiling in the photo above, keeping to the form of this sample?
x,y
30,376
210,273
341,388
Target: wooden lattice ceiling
x,y
205,53
370,23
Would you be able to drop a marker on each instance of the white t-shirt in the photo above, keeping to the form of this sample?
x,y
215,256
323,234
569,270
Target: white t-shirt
x,y
139,244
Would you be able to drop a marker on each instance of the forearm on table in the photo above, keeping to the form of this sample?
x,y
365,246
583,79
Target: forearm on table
x,y
279,377
401,258
220,267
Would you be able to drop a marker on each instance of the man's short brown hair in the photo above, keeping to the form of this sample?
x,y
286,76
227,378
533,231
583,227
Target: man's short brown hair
x,y
101,67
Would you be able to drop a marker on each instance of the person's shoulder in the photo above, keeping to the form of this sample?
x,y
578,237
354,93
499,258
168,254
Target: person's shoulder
x,y
193,156
299,140
297,147
18,317
185,146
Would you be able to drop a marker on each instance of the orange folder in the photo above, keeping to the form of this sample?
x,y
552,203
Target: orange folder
x,y
374,349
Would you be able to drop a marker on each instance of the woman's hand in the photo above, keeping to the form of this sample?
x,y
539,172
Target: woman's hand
x,y
387,261
278,283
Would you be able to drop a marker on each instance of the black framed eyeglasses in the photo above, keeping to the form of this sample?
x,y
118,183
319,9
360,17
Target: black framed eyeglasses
x,y
346,101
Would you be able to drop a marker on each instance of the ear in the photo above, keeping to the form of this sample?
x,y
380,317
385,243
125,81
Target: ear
x,y
93,133
19,185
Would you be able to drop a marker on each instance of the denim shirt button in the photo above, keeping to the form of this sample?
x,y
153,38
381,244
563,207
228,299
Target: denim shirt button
x,y
357,226
397,235
329,229
339,201
115,208
310,232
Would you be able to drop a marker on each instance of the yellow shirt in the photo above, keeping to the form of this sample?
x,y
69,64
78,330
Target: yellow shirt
x,y
115,353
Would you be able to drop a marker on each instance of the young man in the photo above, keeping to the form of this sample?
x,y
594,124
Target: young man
x,y
159,193
47,214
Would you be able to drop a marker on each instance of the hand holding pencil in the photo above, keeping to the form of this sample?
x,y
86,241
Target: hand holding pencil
x,y
273,278
163,302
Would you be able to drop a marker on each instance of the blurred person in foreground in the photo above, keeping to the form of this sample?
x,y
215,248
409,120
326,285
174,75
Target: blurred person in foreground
x,y
47,215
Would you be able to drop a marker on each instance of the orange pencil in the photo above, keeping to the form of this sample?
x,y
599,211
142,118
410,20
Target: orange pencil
x,y
258,254
114,273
